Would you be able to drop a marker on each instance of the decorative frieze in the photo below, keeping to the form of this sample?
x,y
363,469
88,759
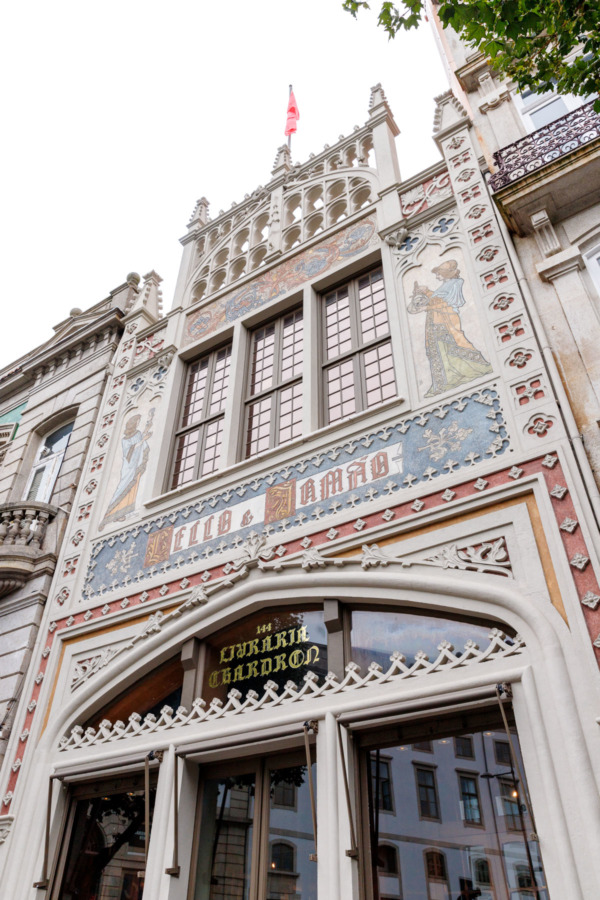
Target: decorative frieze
x,y
499,648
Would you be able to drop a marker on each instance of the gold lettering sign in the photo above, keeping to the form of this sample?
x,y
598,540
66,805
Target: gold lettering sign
x,y
284,650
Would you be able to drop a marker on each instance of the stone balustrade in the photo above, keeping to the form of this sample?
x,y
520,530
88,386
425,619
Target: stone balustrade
x,y
23,533
24,523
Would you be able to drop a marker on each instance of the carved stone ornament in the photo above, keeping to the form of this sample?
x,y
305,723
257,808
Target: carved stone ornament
x,y
500,647
489,558
85,668
5,826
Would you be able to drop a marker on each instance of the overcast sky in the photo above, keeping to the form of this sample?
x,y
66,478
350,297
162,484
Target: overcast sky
x,y
117,116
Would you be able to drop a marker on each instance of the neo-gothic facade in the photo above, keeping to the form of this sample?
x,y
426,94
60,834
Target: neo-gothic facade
x,y
324,621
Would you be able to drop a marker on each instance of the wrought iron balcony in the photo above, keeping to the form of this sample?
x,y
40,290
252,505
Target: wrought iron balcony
x,y
23,530
545,145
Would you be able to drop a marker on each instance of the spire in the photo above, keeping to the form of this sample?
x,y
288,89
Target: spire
x,y
283,161
200,214
379,109
450,115
149,298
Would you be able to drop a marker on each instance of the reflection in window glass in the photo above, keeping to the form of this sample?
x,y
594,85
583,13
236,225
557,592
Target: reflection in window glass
x,y
106,856
376,635
291,874
269,646
440,857
225,848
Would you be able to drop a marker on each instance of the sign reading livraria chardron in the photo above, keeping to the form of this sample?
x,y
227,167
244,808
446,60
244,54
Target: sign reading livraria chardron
x,y
331,485
277,646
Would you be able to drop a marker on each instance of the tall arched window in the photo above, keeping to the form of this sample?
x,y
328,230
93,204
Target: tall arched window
x,y
47,464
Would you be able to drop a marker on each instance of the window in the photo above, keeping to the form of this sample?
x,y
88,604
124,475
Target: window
x,y
246,846
469,802
502,753
198,441
274,402
463,747
538,110
481,872
452,866
359,367
282,857
381,783
436,873
436,864
427,793
47,464
105,840
423,747
509,799
284,795
387,860
271,645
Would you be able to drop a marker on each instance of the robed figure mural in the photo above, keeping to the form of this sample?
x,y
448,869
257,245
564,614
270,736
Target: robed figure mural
x,y
135,449
453,360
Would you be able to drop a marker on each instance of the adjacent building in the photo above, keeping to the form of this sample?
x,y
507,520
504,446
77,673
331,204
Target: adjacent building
x,y
325,618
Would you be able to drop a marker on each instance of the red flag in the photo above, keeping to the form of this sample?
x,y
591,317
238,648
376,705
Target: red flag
x,y
292,115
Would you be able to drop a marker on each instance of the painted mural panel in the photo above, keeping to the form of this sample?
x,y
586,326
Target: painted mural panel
x,y
445,328
131,462
279,280
334,482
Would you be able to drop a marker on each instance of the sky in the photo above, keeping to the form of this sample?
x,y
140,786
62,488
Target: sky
x,y
117,116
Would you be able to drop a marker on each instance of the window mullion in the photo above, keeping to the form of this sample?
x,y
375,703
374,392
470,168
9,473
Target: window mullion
x,y
274,424
260,849
354,316
200,450
210,377
359,381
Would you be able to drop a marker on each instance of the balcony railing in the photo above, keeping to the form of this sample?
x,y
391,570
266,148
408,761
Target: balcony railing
x,y
545,145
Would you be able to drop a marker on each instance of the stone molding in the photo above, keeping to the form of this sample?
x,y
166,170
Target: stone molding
x,y
499,648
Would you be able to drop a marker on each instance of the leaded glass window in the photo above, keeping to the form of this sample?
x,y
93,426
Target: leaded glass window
x,y
358,361
198,442
274,395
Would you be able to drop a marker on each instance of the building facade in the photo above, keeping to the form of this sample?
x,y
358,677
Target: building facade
x,y
325,620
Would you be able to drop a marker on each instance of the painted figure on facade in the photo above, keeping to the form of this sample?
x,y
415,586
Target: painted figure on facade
x,y
134,445
452,357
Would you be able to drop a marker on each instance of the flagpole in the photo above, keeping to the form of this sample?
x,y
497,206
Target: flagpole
x,y
289,135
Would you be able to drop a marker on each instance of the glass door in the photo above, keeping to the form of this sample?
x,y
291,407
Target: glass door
x,y
445,816
255,839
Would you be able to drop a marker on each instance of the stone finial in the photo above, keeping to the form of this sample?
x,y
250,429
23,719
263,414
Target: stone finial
x,y
379,109
200,214
449,113
149,297
283,161
124,296
377,98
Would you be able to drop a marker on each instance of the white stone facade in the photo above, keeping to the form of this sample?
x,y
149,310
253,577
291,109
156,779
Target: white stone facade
x,y
459,494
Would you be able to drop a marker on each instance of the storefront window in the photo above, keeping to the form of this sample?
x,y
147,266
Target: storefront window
x,y
268,646
106,851
429,818
249,846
